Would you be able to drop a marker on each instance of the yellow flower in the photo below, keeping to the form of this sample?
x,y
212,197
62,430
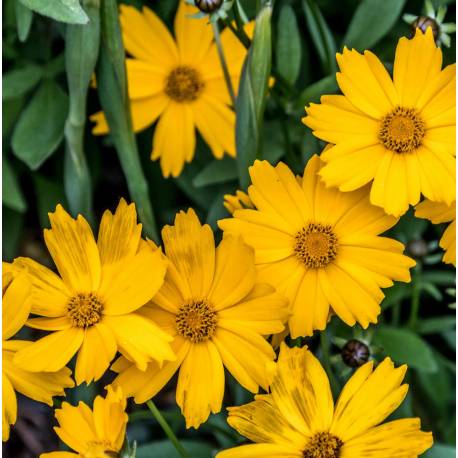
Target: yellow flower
x,y
237,202
40,387
179,81
318,246
218,313
298,419
96,433
398,134
441,213
92,307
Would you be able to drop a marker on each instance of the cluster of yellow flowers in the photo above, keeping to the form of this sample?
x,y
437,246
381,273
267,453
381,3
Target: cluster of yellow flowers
x,y
296,250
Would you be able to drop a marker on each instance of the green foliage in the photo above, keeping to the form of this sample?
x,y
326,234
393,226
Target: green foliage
x,y
68,11
40,128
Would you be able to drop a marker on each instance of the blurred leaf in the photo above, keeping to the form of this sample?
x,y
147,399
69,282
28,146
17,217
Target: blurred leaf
x,y
12,109
439,277
217,171
394,295
441,451
321,36
313,93
217,210
12,225
12,195
432,290
49,193
165,449
288,50
40,128
405,347
436,325
68,11
252,94
16,83
24,18
450,338
372,20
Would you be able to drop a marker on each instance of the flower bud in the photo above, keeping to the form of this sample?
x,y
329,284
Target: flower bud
x,y
423,22
208,6
355,353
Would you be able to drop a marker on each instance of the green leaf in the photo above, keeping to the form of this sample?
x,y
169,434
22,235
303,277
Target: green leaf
x,y
436,325
69,11
439,277
81,52
49,193
406,347
112,91
16,83
288,49
372,20
252,95
313,93
165,449
321,36
12,225
12,195
40,128
441,451
217,171
24,18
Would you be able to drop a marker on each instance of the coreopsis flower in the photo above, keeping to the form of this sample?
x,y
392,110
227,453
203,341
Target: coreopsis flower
x,y
92,306
298,417
180,81
438,213
16,290
96,433
237,202
398,135
318,246
218,313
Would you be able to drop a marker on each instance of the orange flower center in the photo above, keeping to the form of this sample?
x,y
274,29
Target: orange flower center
x,y
323,445
183,84
196,321
316,245
402,130
84,309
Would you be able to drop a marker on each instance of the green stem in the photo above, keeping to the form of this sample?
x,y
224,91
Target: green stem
x,y
166,428
227,76
240,29
327,363
415,300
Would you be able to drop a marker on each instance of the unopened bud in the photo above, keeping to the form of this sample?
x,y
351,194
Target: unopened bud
x,y
355,353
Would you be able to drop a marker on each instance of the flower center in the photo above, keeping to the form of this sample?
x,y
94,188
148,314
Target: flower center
x,y
100,449
196,321
402,130
323,445
84,309
316,245
183,84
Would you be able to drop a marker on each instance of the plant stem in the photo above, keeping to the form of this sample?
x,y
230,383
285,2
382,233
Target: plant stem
x,y
166,428
327,363
222,59
415,301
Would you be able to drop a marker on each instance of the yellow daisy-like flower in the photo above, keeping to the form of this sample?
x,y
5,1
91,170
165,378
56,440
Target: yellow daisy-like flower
x,y
398,134
237,202
40,387
218,313
318,246
298,419
92,307
438,213
179,81
96,433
